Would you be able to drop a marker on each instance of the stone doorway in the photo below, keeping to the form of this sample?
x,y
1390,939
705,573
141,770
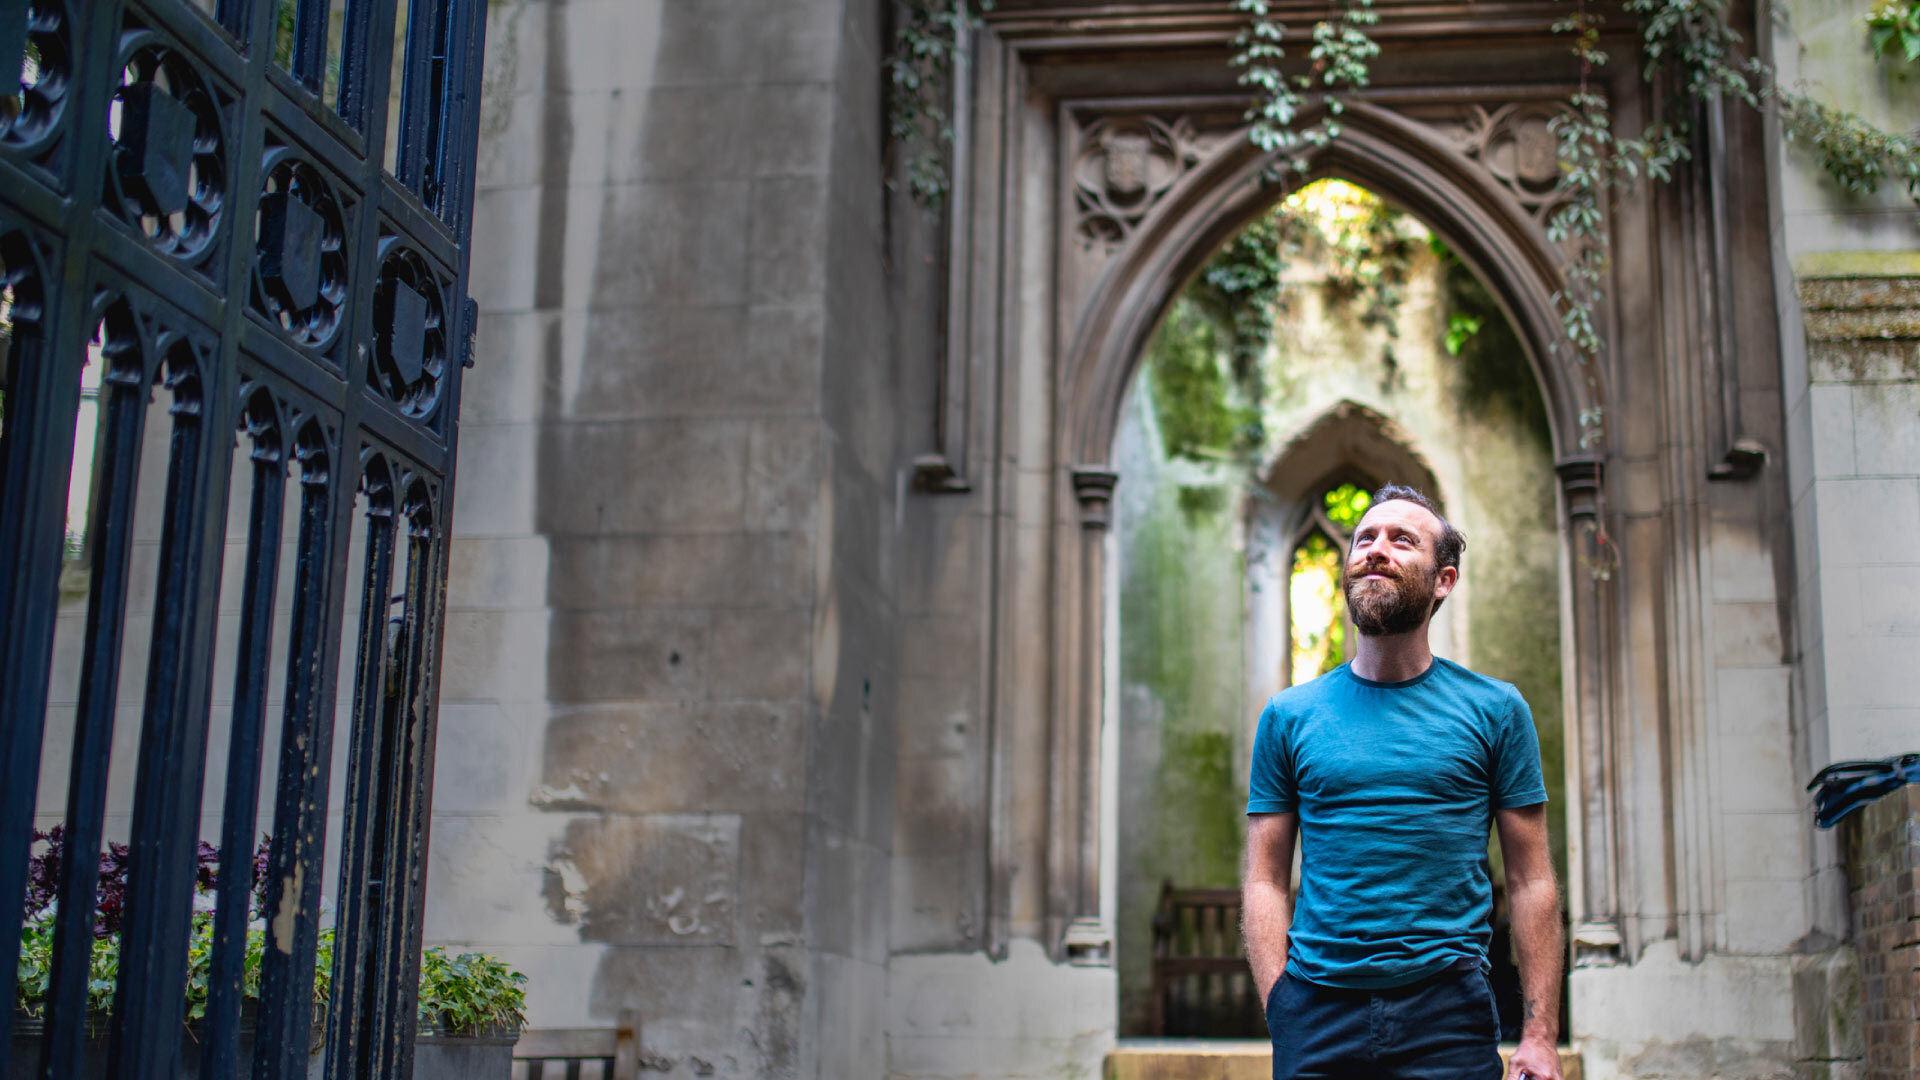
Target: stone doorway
x,y
1248,447
1103,160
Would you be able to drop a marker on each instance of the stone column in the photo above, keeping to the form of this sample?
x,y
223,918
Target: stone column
x,y
1591,560
1084,938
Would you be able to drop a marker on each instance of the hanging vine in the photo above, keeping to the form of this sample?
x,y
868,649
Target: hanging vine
x,y
1342,56
927,39
1690,42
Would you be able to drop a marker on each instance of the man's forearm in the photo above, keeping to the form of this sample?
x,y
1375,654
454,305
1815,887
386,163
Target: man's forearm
x,y
1266,914
1536,932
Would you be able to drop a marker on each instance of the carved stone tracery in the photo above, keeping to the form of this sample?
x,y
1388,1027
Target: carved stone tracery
x,y
1516,144
1124,165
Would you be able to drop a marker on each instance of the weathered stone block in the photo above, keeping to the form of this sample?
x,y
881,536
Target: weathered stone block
x,y
1892,503
501,279
1886,426
494,656
698,133
499,468
761,41
1831,414
727,570
628,655
773,882
497,572
1747,634
783,479
760,654
490,750
674,242
662,879
788,234
938,716
507,380
665,758
1767,846
936,903
852,1031
790,130
949,796
672,476
1756,773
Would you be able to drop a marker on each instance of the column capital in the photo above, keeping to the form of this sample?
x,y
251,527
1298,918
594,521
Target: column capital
x,y
1581,477
1093,486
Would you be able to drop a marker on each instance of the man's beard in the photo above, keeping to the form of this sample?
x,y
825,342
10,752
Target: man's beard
x,y
1392,606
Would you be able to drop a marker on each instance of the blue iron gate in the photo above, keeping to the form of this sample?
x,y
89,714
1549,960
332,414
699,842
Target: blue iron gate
x,y
257,213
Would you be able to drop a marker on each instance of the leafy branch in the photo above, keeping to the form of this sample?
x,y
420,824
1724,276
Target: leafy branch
x,y
1895,23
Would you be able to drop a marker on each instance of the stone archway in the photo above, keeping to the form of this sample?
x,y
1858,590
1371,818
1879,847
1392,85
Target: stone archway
x,y
1104,157
1411,162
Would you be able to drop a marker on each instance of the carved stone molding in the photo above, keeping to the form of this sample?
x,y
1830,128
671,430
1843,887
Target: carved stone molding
x,y
1122,168
1581,478
1516,145
1093,486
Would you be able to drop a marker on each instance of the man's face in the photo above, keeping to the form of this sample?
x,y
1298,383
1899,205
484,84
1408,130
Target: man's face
x,y
1392,581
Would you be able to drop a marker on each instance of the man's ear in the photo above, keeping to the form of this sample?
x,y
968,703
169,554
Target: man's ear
x,y
1444,581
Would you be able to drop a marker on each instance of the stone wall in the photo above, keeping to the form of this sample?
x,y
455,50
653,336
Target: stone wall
x,y
665,772
1883,869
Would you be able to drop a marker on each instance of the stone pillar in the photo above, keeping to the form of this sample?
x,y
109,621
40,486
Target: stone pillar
x,y
1075,861
1591,774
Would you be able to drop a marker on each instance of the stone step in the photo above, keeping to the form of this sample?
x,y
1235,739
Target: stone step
x,y
1227,1059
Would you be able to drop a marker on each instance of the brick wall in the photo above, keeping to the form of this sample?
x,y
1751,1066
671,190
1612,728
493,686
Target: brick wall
x,y
1883,868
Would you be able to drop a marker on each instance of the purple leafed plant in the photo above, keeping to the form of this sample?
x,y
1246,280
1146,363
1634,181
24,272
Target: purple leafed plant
x,y
110,899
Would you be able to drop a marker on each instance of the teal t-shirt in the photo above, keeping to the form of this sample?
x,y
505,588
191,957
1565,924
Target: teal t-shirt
x,y
1395,785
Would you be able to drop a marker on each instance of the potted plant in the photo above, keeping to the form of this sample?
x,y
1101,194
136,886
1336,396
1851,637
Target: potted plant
x,y
470,1012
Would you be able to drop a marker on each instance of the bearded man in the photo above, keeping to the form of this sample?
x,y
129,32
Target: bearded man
x,y
1389,770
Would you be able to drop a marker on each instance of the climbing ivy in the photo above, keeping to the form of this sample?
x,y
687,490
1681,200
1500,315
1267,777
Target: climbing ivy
x,y
927,40
1690,42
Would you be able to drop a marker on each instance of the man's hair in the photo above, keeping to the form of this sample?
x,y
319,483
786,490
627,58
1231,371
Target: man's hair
x,y
1452,540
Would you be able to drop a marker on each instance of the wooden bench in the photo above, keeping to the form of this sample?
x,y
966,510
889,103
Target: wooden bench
x,y
578,1053
1202,987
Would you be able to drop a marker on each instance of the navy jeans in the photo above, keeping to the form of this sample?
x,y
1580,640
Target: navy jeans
x,y
1444,1027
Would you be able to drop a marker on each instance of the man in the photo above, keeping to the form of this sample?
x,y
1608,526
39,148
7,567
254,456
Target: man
x,y
1388,769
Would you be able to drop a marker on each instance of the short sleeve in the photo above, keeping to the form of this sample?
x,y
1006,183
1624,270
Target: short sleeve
x,y
1270,788
1517,779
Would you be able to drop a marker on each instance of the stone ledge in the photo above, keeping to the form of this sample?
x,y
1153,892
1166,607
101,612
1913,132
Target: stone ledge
x,y
1856,264
1230,1059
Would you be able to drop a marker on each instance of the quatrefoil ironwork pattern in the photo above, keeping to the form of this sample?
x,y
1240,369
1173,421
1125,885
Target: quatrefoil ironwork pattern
x,y
300,269
167,177
410,331
36,46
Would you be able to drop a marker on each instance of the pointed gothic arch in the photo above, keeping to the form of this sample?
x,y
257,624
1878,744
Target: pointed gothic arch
x,y
1106,318
1398,158
1346,443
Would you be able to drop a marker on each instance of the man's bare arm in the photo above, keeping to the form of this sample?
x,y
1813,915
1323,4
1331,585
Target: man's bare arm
x,y
1266,906
1535,901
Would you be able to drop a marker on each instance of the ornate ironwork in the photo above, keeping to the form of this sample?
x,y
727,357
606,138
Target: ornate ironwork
x,y
135,140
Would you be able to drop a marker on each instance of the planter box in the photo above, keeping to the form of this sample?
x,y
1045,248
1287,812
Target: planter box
x,y
436,1055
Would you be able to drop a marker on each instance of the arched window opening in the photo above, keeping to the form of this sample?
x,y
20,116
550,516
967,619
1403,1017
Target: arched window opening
x,y
1320,635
